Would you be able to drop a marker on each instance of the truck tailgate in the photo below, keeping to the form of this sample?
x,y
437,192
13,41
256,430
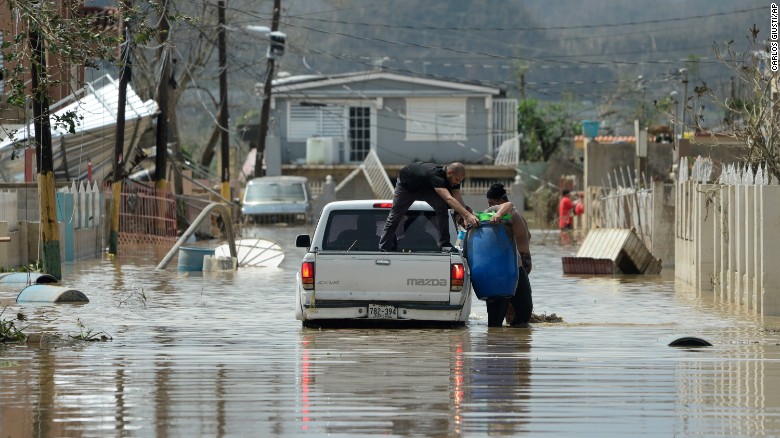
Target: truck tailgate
x,y
393,277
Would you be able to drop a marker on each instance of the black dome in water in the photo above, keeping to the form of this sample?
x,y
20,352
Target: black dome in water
x,y
689,341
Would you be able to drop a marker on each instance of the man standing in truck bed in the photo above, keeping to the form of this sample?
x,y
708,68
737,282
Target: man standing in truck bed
x,y
439,186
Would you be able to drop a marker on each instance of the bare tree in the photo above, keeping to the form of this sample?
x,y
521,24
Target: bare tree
x,y
752,118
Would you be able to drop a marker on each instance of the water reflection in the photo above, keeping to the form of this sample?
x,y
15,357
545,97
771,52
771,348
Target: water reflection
x,y
381,382
221,355
497,382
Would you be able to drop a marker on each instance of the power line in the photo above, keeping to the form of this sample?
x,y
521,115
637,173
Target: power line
x,y
536,28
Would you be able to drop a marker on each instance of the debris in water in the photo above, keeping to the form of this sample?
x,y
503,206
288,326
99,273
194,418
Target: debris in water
x,y
690,341
545,318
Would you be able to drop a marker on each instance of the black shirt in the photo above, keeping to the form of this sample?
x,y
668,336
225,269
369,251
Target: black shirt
x,y
417,176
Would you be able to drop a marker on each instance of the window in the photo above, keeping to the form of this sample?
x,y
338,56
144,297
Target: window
x,y
435,119
318,120
359,132
268,192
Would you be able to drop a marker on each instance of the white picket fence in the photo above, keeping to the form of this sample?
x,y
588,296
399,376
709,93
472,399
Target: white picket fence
x,y
87,210
726,234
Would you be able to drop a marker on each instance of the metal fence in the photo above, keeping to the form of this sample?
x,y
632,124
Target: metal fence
x,y
625,201
147,215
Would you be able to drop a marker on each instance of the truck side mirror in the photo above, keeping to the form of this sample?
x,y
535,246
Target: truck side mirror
x,y
303,241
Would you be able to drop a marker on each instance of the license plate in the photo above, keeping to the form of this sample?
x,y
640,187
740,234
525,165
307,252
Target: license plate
x,y
382,311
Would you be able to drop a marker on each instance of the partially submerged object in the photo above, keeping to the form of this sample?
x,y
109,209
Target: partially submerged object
x,y
690,341
191,257
612,251
27,278
254,253
47,293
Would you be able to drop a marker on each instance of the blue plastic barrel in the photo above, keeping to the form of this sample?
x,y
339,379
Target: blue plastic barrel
x,y
590,128
191,257
492,257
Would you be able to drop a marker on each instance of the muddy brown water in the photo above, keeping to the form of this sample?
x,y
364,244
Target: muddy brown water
x,y
222,355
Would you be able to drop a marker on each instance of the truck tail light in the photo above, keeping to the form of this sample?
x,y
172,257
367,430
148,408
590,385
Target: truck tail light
x,y
383,205
307,275
457,274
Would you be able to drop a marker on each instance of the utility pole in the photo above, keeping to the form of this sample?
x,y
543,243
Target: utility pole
x,y
522,85
684,72
124,77
50,233
163,91
265,111
223,103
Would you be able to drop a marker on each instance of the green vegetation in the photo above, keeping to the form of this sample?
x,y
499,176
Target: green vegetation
x,y
89,335
545,126
8,330
34,266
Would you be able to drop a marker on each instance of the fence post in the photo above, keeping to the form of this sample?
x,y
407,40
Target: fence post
x,y
704,238
747,274
717,236
65,215
731,248
100,206
756,273
770,250
83,202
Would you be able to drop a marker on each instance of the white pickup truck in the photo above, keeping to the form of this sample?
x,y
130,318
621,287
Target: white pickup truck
x,y
344,277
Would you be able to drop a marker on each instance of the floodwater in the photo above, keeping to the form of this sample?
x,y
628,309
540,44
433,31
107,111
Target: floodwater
x,y
222,355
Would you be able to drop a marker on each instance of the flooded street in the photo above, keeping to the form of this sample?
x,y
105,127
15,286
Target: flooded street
x,y
222,355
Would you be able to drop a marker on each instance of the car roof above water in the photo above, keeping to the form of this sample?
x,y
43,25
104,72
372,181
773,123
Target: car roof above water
x,y
289,179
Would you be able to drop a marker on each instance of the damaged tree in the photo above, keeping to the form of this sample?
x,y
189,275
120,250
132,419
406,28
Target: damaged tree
x,y
752,118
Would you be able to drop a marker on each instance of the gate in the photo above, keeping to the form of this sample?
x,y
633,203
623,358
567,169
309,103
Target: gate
x,y
147,215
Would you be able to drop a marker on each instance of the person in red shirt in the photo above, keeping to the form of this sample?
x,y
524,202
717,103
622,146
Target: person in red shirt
x,y
565,209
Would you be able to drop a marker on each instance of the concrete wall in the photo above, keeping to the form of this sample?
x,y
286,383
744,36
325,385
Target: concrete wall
x,y
725,153
601,159
662,243
23,247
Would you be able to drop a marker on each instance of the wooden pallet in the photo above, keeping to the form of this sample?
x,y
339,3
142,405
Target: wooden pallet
x,y
621,247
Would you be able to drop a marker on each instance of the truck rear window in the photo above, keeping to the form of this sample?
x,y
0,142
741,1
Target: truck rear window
x,y
359,230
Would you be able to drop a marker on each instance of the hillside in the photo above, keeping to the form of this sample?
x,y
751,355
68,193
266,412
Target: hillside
x,y
586,53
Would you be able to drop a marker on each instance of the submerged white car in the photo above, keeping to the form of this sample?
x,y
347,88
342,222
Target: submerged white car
x,y
274,199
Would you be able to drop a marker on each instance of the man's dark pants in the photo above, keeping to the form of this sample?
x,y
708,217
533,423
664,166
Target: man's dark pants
x,y
522,303
402,200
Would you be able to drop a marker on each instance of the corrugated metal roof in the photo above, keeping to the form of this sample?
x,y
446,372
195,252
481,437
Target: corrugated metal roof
x,y
97,108
610,138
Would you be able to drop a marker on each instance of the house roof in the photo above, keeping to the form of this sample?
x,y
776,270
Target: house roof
x,y
293,84
95,107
